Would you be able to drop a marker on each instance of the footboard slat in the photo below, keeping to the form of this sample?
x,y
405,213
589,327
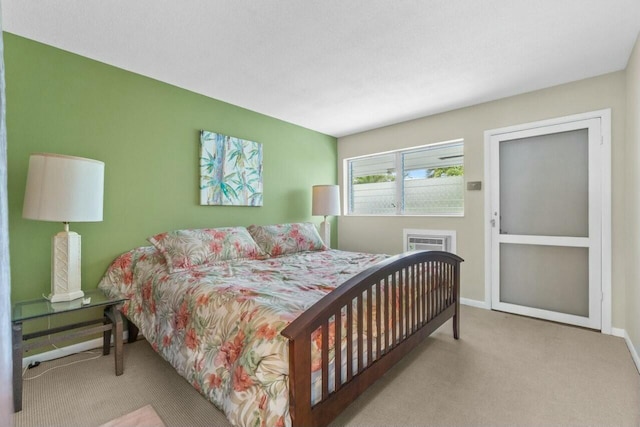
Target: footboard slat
x,y
379,289
398,302
385,328
432,293
349,340
447,290
437,290
359,339
325,359
409,299
400,308
428,291
423,295
438,296
337,366
410,305
414,307
394,309
369,326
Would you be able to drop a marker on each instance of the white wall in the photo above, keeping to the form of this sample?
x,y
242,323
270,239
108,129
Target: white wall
x,y
6,372
632,197
384,234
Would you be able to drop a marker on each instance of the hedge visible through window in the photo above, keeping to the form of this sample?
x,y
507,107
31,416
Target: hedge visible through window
x,y
427,180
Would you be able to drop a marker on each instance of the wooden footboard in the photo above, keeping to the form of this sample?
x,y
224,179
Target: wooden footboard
x,y
365,326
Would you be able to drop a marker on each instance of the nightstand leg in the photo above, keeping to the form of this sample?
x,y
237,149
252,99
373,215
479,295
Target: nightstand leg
x,y
106,335
117,339
16,338
113,315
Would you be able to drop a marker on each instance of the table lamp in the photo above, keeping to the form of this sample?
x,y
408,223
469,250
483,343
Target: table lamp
x,y
326,201
64,189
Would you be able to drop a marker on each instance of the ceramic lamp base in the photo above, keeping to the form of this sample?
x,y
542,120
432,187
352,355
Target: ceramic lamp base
x,y
65,267
325,232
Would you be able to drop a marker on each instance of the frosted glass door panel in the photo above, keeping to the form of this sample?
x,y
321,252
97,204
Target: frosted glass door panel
x,y
553,278
544,187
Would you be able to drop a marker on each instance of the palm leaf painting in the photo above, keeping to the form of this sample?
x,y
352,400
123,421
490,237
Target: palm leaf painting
x,y
230,170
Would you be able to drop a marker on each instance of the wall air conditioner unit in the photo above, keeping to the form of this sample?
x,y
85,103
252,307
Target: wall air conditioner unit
x,y
429,240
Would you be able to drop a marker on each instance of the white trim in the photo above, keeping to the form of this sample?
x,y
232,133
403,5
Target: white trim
x,y
622,333
607,306
414,147
617,332
57,353
605,182
632,350
487,219
576,242
543,314
605,113
475,303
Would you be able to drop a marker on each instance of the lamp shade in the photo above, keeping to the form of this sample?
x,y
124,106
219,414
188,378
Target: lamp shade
x,y
326,200
64,189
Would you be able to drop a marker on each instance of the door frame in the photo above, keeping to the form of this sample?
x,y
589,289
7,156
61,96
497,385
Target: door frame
x,y
605,125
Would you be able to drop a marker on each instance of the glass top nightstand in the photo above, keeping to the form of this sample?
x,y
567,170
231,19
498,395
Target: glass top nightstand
x,y
109,324
41,307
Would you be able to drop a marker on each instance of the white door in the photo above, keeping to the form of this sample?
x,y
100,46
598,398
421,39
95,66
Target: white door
x,y
546,221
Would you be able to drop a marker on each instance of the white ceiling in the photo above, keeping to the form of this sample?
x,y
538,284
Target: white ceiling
x,y
342,66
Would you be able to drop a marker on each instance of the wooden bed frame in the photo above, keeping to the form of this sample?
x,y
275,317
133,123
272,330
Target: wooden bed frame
x,y
426,288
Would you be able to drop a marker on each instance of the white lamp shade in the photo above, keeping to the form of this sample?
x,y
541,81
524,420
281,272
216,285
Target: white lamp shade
x,y
326,200
64,189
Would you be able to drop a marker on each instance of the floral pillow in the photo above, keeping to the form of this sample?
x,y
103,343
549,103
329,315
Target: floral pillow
x,y
184,249
281,239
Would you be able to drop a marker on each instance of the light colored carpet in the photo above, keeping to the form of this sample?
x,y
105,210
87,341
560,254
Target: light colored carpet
x,y
505,370
89,394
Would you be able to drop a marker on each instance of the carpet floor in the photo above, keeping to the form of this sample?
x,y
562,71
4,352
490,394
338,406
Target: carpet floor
x,y
506,370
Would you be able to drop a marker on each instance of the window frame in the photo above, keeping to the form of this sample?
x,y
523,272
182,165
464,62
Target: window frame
x,y
399,183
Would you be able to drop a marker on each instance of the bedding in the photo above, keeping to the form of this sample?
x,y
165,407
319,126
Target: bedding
x,y
184,249
283,239
219,323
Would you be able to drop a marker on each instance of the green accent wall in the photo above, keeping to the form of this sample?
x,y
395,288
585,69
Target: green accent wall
x,y
147,133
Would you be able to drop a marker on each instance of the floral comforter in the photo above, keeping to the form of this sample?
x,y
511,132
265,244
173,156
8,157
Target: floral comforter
x,y
219,325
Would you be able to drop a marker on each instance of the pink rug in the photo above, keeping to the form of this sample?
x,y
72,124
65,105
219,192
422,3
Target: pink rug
x,y
143,417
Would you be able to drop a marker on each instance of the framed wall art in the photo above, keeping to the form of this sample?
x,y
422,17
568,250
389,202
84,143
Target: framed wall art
x,y
230,170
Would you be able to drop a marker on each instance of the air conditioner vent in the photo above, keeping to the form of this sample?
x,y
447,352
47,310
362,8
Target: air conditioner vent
x,y
429,240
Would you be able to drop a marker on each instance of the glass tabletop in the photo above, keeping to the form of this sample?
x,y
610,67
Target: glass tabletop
x,y
32,309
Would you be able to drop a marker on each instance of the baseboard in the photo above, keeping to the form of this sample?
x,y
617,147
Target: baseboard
x,y
473,303
617,332
622,333
57,353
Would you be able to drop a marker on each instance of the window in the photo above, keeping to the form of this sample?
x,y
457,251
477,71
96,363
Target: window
x,y
426,180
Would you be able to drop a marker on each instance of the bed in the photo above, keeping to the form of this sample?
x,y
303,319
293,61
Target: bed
x,y
273,327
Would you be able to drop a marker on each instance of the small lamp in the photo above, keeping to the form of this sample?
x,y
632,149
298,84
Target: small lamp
x,y
64,189
326,201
